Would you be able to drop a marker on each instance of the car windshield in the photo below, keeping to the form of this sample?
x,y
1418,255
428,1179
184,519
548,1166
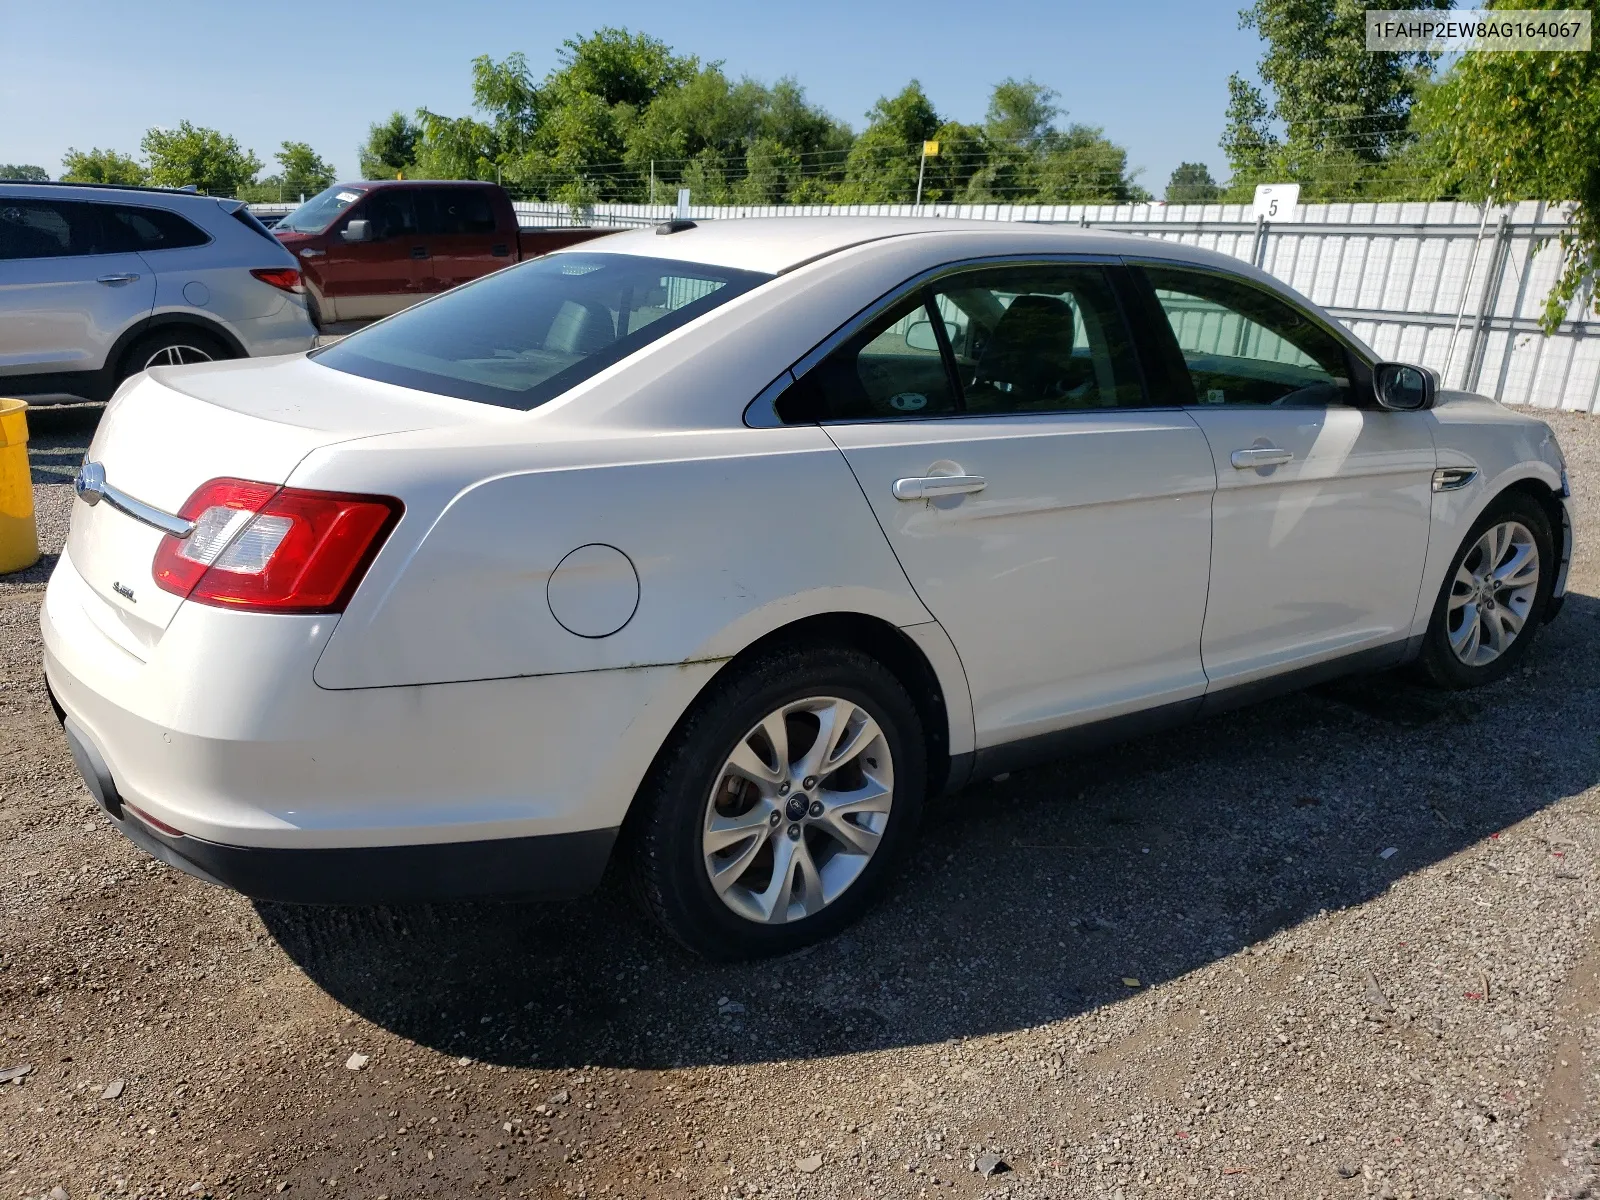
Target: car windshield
x,y
317,213
523,336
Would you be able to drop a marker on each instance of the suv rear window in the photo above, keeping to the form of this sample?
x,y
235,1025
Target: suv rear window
x,y
523,336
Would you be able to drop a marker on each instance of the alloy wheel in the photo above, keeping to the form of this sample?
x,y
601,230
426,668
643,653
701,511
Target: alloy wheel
x,y
1493,593
176,356
798,810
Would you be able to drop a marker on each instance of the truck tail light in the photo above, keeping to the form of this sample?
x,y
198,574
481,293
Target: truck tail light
x,y
258,547
283,278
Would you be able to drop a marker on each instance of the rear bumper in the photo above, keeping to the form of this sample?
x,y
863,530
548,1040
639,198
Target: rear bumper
x,y
214,750
554,866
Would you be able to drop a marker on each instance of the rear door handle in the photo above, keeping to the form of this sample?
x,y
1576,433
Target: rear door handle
x,y
926,487
419,252
1260,456
116,279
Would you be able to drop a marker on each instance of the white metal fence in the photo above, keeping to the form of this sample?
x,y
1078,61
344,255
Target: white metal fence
x,y
1456,287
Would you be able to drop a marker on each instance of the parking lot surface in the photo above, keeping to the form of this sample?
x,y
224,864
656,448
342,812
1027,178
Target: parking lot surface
x,y
1340,945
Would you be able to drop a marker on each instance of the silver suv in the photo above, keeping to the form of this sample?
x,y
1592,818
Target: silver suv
x,y
98,283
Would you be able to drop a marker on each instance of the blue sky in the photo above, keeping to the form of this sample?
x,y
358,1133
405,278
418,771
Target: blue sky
x,y
1154,75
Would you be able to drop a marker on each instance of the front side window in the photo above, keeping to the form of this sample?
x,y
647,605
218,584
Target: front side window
x,y
522,336
392,213
49,229
322,210
130,228
1013,339
1242,345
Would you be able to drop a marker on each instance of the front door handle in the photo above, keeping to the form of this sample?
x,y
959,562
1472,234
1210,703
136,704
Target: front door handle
x,y
312,252
419,252
926,487
113,280
1260,456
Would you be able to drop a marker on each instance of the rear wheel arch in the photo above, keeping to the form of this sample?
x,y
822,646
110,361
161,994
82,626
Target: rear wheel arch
x,y
872,636
117,360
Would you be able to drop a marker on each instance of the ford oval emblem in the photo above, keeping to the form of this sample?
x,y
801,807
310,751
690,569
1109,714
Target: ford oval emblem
x,y
90,483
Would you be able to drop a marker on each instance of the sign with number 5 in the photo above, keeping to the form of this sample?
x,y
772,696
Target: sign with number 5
x,y
1277,201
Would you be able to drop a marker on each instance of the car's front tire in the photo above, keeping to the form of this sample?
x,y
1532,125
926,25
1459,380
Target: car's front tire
x,y
776,813
1494,596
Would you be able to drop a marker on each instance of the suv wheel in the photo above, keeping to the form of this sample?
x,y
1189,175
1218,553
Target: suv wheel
x,y
777,811
173,346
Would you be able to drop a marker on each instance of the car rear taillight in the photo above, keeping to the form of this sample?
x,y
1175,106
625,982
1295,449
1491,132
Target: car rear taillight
x,y
284,278
263,548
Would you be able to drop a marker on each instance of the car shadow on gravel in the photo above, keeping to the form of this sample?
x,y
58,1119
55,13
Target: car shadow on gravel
x,y
1028,900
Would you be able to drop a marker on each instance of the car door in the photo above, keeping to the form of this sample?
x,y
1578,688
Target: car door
x,y
375,278
1320,523
1056,525
458,228
66,293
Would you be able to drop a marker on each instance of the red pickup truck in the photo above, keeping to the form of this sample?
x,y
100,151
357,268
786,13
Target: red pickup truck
x,y
370,249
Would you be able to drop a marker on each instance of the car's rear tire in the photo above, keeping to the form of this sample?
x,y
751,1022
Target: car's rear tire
x,y
172,345
1494,597
742,845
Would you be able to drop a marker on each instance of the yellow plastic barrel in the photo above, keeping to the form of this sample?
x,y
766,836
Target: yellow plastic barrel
x,y
19,537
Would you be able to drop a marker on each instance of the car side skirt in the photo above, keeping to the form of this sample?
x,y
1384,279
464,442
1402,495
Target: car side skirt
x,y
1047,747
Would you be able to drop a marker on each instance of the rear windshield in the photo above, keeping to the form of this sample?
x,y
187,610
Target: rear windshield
x,y
522,336
317,213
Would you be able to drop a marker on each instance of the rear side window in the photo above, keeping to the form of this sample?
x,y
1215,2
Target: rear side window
x,y
1014,339
49,228
253,223
454,210
523,336
140,229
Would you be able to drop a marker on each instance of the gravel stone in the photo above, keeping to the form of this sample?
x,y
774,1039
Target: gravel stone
x,y
978,1010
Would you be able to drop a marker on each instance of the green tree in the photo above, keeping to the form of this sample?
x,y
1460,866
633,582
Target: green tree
x,y
1344,110
1191,183
455,148
1021,111
101,166
883,163
1523,125
24,173
304,170
390,148
211,161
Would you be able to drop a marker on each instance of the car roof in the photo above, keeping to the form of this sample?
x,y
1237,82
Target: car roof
x,y
132,193
773,245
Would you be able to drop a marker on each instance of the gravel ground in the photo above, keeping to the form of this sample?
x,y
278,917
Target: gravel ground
x,y
1342,945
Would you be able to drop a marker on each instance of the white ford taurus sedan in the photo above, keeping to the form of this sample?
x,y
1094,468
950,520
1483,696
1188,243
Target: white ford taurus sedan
x,y
719,547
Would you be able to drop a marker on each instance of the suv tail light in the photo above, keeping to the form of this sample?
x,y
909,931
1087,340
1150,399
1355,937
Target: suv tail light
x,y
263,548
284,278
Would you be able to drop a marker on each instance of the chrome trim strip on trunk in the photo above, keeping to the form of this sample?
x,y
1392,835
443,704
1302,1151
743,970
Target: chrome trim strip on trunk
x,y
91,486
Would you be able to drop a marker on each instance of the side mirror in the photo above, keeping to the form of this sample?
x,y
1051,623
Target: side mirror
x,y
357,231
920,335
1401,387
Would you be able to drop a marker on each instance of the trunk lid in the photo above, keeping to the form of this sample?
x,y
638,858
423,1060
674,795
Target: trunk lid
x,y
178,427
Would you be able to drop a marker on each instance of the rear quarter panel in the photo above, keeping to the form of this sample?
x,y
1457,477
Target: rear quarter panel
x,y
732,534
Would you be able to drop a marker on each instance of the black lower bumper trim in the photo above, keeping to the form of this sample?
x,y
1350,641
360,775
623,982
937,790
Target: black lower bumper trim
x,y
553,866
